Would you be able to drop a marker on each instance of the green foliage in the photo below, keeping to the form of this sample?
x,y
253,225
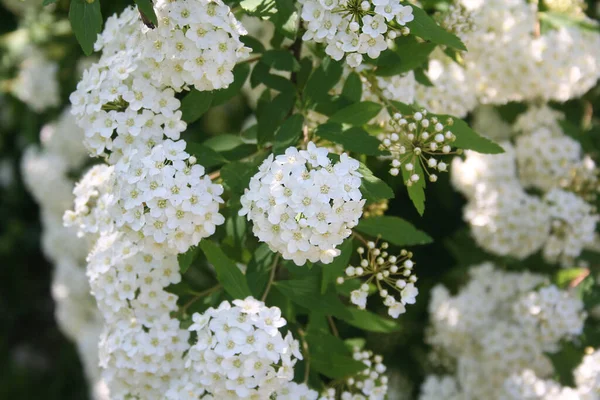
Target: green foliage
x,y
86,21
228,274
425,27
416,191
394,230
371,322
210,158
357,114
335,269
354,139
186,259
407,55
372,188
468,139
288,134
329,355
147,9
195,104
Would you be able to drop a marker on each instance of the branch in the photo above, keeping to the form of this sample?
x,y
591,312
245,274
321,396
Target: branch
x,y
271,278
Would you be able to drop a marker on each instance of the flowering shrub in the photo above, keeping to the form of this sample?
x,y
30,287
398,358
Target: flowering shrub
x,y
230,185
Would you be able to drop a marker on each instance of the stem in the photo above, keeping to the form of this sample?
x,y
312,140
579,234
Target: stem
x,y
359,237
214,175
334,329
271,278
306,354
199,295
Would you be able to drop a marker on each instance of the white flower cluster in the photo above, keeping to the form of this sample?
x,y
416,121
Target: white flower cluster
x,y
387,272
508,221
414,141
303,205
297,391
127,106
46,173
508,60
238,353
353,28
36,83
370,384
521,320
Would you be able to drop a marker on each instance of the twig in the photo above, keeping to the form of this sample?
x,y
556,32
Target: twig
x,y
199,295
334,329
306,354
360,238
214,175
575,282
271,278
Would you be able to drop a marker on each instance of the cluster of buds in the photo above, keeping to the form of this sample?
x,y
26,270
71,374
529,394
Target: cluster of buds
x,y
371,383
388,273
415,143
377,209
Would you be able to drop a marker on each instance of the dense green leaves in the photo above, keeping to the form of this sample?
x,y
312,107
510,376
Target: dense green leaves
x,y
146,8
280,59
357,113
425,27
236,175
322,80
335,269
352,89
371,322
306,292
259,267
354,139
407,55
195,104
330,356
186,259
288,133
372,188
394,230
229,275
86,21
467,138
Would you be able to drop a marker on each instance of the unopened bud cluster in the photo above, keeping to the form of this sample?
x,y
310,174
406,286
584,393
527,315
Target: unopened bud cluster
x,y
388,273
415,144
369,384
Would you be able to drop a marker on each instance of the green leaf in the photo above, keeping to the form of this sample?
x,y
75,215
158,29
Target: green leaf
x,y
335,269
282,60
259,8
270,114
259,268
468,139
372,188
416,191
146,7
224,142
86,21
306,293
422,78
186,259
288,133
236,175
425,27
354,139
205,155
371,322
240,74
322,80
286,18
394,230
329,356
228,274
48,2
407,55
261,74
352,88
564,277
401,107
357,114
255,44
195,104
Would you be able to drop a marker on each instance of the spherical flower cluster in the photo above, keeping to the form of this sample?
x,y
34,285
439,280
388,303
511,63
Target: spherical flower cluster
x,y
573,225
46,172
387,272
354,27
526,385
520,321
303,205
587,376
239,351
414,143
371,383
544,159
510,60
36,83
196,42
507,221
